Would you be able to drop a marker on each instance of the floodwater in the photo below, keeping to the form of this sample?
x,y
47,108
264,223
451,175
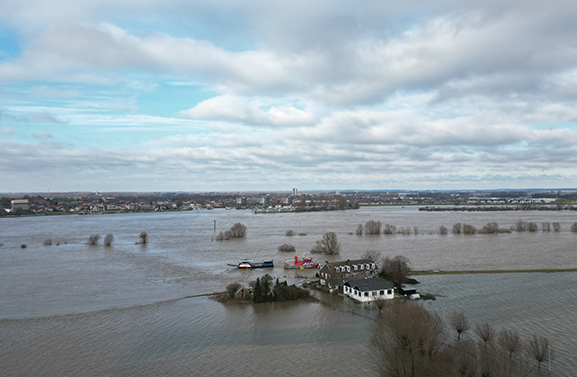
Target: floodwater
x,y
75,309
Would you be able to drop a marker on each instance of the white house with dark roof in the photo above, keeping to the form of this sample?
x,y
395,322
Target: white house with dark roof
x,y
366,290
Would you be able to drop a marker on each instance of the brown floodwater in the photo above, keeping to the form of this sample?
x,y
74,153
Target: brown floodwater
x,y
75,309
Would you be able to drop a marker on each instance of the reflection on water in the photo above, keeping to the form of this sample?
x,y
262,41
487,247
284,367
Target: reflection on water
x,y
76,309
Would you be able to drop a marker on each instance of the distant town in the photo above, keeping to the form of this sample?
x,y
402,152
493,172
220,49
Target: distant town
x,y
293,201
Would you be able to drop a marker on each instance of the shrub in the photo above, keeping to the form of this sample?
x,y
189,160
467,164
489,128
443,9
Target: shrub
x,y
574,227
490,228
286,248
236,231
521,226
469,229
328,245
443,230
556,227
373,227
289,233
93,239
48,242
23,246
359,231
545,227
389,229
457,228
108,240
532,227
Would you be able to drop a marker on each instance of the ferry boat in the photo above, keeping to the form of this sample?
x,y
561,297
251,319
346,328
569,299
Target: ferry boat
x,y
306,262
247,263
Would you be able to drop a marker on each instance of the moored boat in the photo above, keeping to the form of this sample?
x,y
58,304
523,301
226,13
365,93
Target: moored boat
x,y
247,263
306,262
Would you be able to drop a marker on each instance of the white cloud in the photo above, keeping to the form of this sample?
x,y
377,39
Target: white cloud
x,y
238,109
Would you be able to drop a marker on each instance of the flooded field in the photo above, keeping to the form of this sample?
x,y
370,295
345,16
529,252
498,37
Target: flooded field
x,y
75,309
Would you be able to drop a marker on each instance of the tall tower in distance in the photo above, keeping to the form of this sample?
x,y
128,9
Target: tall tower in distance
x,y
295,191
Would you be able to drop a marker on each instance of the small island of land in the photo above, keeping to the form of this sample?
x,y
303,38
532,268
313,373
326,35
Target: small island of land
x,y
262,290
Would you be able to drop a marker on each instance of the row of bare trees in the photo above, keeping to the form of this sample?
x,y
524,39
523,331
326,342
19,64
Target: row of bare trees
x,y
373,227
410,341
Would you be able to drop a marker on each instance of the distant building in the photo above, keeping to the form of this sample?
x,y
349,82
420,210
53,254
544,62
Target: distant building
x,y
295,191
19,204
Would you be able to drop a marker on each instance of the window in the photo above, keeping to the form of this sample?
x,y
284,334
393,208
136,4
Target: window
x,y
390,292
366,294
382,293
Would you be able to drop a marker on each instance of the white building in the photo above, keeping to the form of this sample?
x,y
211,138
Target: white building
x,y
365,290
19,203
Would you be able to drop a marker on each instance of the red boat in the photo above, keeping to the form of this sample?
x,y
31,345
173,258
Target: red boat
x,y
306,262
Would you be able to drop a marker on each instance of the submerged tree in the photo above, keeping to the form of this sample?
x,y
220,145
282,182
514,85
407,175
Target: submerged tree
x,y
373,227
457,228
359,231
108,240
93,239
328,245
143,238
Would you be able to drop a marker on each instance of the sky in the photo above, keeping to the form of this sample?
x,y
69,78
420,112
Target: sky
x,y
223,95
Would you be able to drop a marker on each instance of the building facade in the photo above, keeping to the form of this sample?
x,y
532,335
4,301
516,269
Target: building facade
x,y
334,275
365,290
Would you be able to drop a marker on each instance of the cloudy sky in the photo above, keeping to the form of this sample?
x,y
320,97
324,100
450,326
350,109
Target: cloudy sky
x,y
228,95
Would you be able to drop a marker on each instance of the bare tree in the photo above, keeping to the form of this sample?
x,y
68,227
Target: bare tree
x,y
408,341
93,239
574,227
396,269
545,227
359,231
373,255
373,227
289,233
469,229
556,227
538,349
457,228
460,323
510,341
237,231
486,332
328,245
443,230
416,230
521,226
389,229
466,359
143,237
490,228
108,240
48,242
532,227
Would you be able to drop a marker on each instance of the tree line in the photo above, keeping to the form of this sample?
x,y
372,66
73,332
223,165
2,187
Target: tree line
x,y
409,341
373,227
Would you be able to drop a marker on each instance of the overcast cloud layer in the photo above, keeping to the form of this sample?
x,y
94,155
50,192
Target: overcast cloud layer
x,y
224,95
